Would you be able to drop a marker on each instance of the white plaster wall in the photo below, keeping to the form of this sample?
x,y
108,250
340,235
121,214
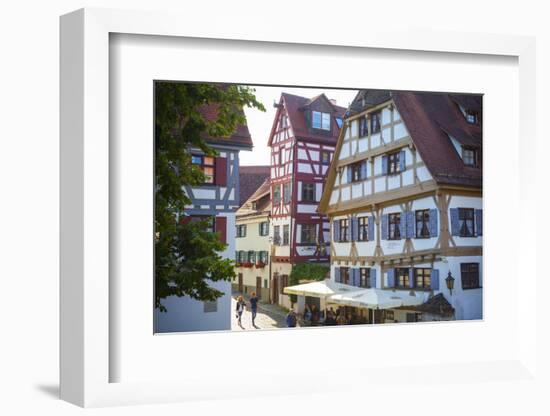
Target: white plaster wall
x,y
318,191
200,193
394,181
363,145
408,177
346,193
344,151
375,140
354,128
399,131
380,184
304,168
386,115
423,174
307,208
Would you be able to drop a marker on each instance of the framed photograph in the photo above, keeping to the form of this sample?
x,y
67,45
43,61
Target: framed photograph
x,y
290,206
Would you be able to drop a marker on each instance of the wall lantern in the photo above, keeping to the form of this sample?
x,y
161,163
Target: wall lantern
x,y
450,280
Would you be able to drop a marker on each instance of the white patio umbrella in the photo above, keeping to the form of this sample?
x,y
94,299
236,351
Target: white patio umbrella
x,y
321,289
378,298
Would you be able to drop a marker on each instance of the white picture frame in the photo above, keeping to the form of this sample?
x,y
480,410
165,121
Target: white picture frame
x,y
85,217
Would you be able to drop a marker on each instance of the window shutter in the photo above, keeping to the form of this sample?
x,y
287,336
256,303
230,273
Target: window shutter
x,y
337,274
372,273
411,277
391,277
455,225
384,165
237,256
221,171
402,163
221,228
384,227
354,228
348,170
336,230
402,226
364,169
479,221
370,233
186,219
433,222
435,279
409,219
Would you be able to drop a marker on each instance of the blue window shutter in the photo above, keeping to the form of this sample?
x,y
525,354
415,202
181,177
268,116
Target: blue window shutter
x,y
402,163
348,169
370,235
409,219
435,279
337,274
354,228
356,279
391,277
384,165
364,169
384,235
455,225
433,222
351,228
372,272
402,226
237,256
336,230
411,277
479,221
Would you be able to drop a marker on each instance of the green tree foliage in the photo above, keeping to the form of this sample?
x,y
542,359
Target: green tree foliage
x,y
307,271
186,253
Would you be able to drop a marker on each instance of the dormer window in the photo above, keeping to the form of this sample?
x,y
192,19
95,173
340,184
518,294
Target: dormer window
x,y
469,156
471,117
320,120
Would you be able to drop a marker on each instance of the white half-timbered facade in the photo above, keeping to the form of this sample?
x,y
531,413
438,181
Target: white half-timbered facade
x,y
404,197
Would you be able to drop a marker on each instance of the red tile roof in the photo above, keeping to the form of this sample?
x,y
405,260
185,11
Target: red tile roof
x,y
241,137
295,106
250,179
430,118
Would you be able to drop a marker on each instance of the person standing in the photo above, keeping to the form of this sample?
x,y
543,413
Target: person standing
x,y
240,309
291,319
254,307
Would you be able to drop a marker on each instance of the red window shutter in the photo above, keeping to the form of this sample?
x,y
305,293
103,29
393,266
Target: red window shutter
x,y
221,228
221,171
186,219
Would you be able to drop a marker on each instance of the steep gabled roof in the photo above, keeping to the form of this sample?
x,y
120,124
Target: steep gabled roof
x,y
261,196
250,179
430,119
240,137
296,107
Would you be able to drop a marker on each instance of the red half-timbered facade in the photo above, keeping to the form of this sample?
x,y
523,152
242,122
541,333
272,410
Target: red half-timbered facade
x,y
302,143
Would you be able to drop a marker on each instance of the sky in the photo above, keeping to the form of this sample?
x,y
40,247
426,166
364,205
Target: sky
x,y
260,123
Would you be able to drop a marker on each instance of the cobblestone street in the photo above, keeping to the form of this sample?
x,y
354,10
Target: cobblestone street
x,y
268,317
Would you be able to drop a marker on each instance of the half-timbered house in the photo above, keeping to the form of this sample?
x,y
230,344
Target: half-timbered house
x,y
302,143
217,199
404,198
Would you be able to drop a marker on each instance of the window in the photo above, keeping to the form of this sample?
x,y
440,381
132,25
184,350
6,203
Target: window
x,y
394,232
339,122
325,157
277,194
375,122
469,274
422,278
394,165
402,278
263,257
264,228
280,156
308,192
207,165
472,117
423,223
364,277
210,306
344,229
286,193
469,156
466,222
356,172
284,122
241,230
344,275
363,224
277,235
265,283
286,235
363,126
252,256
320,120
309,234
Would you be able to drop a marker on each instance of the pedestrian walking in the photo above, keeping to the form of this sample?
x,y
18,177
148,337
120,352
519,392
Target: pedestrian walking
x,y
240,309
254,307
291,319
